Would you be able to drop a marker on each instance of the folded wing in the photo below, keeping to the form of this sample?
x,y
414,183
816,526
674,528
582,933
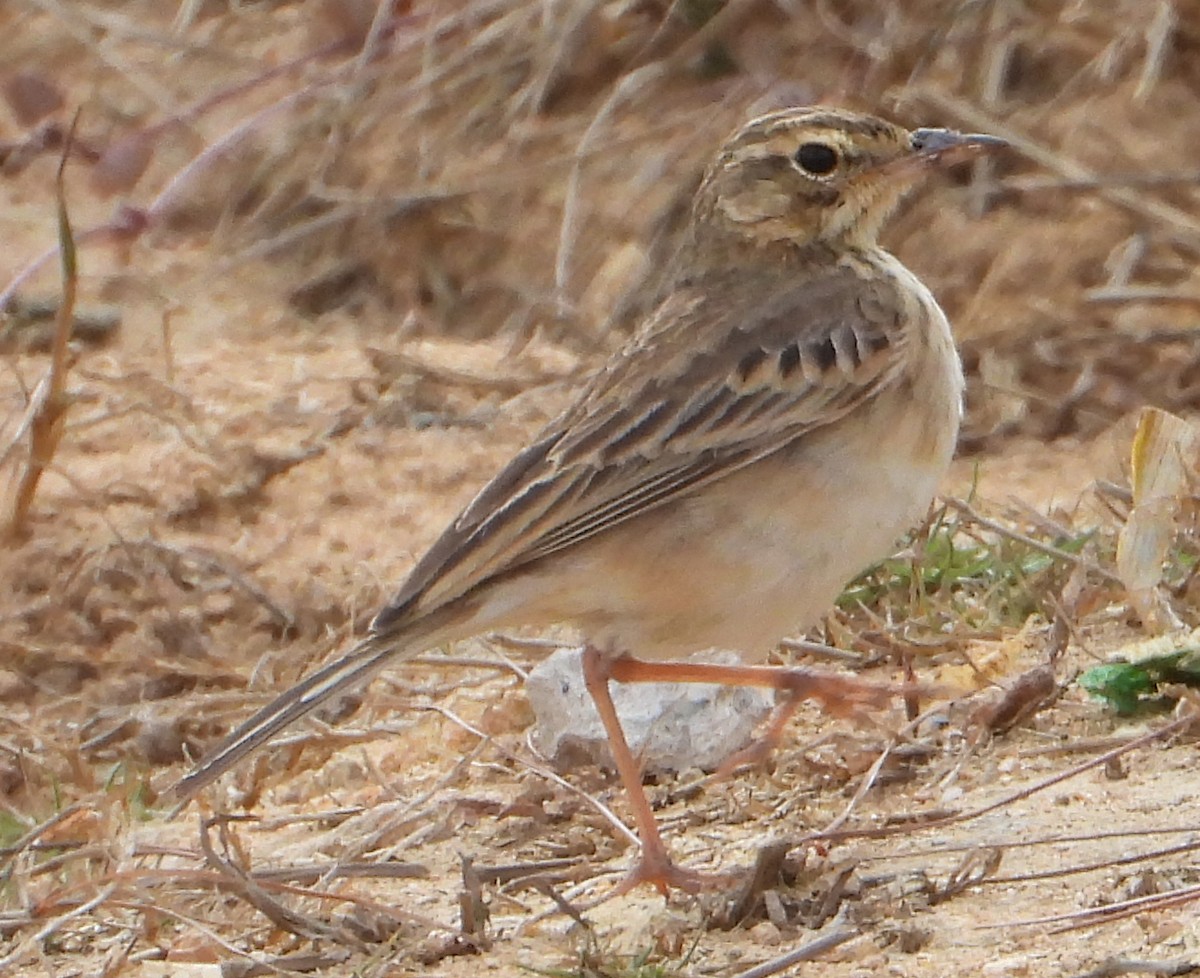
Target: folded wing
x,y
716,380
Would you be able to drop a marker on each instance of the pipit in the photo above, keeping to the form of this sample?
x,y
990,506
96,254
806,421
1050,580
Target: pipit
x,y
774,425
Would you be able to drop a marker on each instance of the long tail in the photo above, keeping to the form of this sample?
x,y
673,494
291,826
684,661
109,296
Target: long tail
x,y
345,672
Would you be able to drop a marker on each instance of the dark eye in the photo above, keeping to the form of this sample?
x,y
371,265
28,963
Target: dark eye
x,y
817,158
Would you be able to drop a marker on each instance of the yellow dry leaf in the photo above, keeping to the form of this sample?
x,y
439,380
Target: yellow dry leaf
x,y
1163,465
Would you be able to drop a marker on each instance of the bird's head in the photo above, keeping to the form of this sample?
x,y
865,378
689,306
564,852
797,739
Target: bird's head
x,y
820,175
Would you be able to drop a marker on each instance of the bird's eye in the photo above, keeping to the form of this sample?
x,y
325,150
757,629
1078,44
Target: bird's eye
x,y
817,158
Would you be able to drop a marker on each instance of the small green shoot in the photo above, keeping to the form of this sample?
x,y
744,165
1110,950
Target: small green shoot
x,y
134,785
11,829
594,964
980,582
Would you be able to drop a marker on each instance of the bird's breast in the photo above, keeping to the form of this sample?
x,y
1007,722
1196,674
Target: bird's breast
x,y
764,551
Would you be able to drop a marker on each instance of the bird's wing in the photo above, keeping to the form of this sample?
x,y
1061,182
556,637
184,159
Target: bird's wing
x,y
719,377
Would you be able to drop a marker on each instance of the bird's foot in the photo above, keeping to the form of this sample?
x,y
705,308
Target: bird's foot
x,y
754,755
656,869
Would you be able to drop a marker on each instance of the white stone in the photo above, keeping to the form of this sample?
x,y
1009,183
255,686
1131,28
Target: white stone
x,y
670,726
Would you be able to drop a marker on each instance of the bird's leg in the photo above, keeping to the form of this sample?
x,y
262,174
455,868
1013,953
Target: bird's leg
x,y
764,746
654,865
838,695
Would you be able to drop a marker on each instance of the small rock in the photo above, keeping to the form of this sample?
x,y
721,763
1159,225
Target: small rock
x,y
765,934
670,726
1013,966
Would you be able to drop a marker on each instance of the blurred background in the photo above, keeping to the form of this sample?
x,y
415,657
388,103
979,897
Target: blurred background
x,y
519,169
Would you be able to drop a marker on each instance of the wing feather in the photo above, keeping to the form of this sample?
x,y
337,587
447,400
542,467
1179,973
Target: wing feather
x,y
717,379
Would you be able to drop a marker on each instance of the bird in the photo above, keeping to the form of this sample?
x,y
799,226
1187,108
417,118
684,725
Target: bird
x,y
772,427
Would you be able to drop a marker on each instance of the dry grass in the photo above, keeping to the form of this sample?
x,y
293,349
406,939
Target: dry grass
x,y
357,260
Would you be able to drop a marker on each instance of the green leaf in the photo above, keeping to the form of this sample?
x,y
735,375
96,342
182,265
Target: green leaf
x,y
1130,686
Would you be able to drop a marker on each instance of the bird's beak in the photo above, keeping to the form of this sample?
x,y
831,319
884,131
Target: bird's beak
x,y
936,144
939,147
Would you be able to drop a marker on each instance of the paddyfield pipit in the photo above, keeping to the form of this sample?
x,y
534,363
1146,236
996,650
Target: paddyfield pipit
x,y
774,425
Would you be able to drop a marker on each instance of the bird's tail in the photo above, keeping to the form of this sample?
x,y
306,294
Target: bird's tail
x,y
347,671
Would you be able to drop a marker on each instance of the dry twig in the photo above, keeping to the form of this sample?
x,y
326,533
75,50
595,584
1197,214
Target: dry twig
x,y
46,414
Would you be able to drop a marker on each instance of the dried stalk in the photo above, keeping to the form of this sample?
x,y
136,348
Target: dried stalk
x,y
48,407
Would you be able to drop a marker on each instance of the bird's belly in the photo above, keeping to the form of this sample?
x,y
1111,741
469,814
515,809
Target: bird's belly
x,y
752,567
758,555
764,551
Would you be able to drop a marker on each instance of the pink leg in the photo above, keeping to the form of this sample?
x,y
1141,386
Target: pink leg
x,y
763,747
654,866
838,695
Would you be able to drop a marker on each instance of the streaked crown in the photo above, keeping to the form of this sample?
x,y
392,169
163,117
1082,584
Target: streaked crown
x,y
808,175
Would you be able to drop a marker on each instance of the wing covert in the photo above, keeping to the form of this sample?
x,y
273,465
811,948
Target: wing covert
x,y
716,379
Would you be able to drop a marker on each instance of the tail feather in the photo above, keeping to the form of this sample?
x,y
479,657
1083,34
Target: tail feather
x,y
344,673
